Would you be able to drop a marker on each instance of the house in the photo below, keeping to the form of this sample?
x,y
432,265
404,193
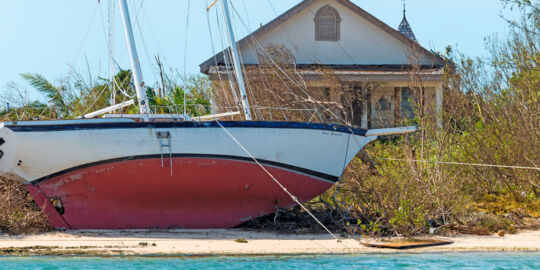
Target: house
x,y
363,53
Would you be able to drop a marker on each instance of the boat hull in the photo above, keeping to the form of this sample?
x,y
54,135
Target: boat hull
x,y
201,192
122,174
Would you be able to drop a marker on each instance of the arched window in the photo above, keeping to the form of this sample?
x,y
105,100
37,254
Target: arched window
x,y
327,22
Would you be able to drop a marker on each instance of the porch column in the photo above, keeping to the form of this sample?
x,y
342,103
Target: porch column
x,y
439,98
365,114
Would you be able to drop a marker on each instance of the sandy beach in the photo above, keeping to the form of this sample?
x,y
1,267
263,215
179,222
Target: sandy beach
x,y
235,242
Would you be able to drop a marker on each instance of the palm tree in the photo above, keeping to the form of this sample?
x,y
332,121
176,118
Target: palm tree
x,y
53,93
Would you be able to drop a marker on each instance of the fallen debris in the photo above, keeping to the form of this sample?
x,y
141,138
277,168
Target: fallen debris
x,y
241,240
409,244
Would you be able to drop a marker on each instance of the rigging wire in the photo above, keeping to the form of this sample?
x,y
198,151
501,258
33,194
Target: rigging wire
x,y
265,54
464,164
109,37
121,89
226,58
112,70
105,33
247,14
249,88
284,83
147,54
248,82
214,50
95,100
136,18
156,40
277,15
185,79
210,6
229,63
155,36
294,198
245,72
300,87
113,65
243,68
83,42
265,80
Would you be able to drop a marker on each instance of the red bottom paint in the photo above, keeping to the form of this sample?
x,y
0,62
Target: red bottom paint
x,y
141,194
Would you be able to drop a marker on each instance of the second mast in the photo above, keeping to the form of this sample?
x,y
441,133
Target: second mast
x,y
236,63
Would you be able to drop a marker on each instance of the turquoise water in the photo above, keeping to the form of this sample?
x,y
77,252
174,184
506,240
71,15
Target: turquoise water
x,y
371,261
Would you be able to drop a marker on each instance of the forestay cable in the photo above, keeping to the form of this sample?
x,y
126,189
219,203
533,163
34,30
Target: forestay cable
x,y
185,79
295,199
300,87
463,164
221,84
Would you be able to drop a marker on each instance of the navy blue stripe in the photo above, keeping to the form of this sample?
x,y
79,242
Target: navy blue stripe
x,y
187,124
321,175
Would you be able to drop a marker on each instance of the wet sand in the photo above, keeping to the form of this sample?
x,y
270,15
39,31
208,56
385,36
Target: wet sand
x,y
235,242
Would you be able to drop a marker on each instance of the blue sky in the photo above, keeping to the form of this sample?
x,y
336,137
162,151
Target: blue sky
x,y
46,37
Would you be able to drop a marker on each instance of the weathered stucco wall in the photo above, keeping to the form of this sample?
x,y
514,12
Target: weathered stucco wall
x,y
361,42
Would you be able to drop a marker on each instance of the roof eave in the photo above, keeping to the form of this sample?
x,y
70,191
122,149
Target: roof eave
x,y
205,66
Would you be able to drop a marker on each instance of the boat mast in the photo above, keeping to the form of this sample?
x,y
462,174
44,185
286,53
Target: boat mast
x,y
236,62
134,59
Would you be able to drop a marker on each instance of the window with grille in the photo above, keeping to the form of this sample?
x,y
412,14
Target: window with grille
x,y
327,24
407,106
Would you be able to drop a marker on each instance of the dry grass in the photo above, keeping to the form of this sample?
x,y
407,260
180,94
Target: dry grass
x,y
18,212
491,116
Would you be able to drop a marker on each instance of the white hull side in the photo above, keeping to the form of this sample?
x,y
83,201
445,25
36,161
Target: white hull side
x,y
30,156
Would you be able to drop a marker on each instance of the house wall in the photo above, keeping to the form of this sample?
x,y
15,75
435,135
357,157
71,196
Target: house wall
x,y
361,42
376,115
370,113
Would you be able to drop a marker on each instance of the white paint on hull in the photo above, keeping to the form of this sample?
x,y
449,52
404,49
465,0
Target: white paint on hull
x,y
29,156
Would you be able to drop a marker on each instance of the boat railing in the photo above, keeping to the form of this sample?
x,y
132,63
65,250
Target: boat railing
x,y
194,110
204,112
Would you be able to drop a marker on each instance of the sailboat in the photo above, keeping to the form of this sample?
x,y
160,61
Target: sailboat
x,y
149,171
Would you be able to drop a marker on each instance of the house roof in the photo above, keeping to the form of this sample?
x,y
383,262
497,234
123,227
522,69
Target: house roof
x,y
218,59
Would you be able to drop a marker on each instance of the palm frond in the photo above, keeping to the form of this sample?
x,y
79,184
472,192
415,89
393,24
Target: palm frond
x,y
44,86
